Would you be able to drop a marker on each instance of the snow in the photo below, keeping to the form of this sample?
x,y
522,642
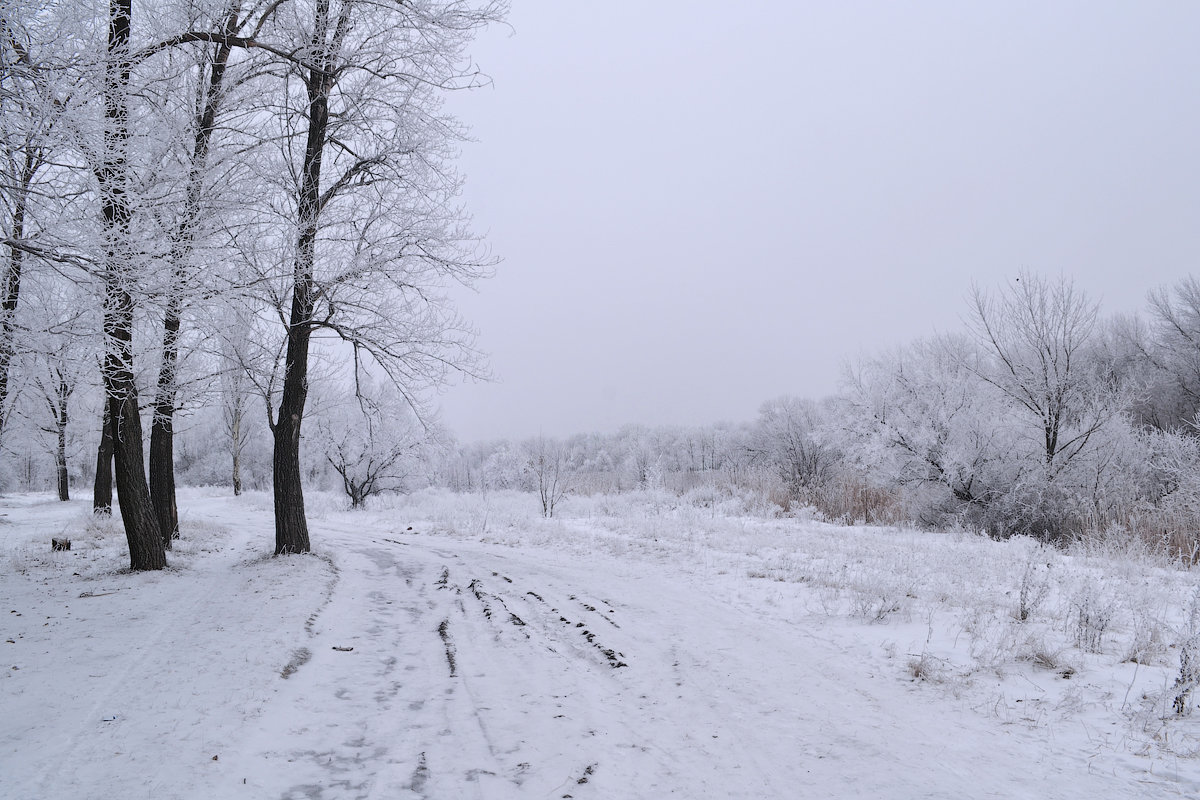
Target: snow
x,y
444,646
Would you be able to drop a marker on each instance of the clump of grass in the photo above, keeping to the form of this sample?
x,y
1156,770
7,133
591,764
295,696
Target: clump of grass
x,y
300,657
1034,588
927,668
1092,615
1038,652
1189,661
1147,645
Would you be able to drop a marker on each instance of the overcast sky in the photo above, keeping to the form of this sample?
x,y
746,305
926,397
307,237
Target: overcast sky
x,y
702,205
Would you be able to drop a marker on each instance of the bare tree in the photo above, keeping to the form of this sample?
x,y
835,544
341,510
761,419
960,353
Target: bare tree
x,y
373,446
1037,332
33,100
376,231
56,390
546,461
787,437
919,419
1172,346
211,70
146,551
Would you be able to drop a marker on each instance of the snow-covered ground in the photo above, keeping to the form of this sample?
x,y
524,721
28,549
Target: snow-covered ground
x,y
443,646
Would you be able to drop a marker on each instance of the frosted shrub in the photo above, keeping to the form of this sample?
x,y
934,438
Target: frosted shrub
x,y
1147,645
876,606
927,668
1189,660
1092,616
875,596
1041,653
1035,586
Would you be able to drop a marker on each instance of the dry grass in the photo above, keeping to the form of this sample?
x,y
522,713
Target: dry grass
x,y
850,500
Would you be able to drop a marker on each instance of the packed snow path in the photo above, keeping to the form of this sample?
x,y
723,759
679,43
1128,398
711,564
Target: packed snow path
x,y
397,665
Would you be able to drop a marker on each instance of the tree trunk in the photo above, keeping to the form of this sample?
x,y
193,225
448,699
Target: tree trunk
x,y
103,487
162,427
62,418
141,527
235,432
291,527
12,281
60,464
162,476
146,549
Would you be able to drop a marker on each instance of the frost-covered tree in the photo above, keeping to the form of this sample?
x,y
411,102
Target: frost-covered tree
x,y
60,366
37,99
373,443
1020,425
235,398
643,457
375,232
917,417
1170,343
787,438
115,179
1035,333
1128,359
55,387
206,70
546,461
1037,339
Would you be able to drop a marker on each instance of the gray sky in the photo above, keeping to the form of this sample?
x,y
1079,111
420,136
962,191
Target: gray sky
x,y
702,205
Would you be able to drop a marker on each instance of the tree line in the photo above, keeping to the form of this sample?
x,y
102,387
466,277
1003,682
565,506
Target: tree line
x,y
1041,417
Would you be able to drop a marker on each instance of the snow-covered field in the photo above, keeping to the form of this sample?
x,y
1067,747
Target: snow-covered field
x,y
639,647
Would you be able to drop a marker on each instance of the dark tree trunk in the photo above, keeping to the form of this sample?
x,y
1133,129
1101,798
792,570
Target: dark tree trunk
x,y
60,464
162,427
133,494
103,488
291,527
162,477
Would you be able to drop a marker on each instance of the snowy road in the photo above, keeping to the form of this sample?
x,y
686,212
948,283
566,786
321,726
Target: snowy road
x,y
478,673
402,665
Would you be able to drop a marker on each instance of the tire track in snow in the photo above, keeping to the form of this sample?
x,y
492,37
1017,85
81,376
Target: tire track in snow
x,y
521,712
704,709
425,731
